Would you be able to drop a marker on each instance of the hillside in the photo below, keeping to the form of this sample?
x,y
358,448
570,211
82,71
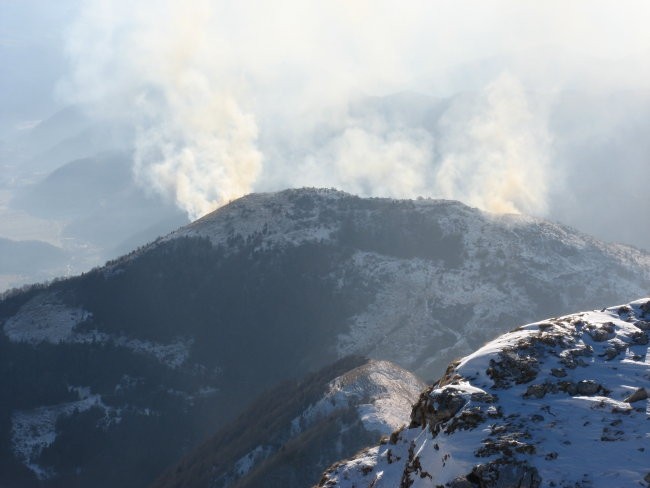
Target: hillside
x,y
558,403
148,355
291,433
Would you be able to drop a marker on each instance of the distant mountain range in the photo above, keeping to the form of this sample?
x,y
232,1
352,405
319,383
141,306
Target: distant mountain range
x,y
558,403
135,363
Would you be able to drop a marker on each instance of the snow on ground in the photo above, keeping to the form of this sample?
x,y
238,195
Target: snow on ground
x,y
173,355
284,217
558,403
417,298
250,459
381,392
406,311
45,318
34,430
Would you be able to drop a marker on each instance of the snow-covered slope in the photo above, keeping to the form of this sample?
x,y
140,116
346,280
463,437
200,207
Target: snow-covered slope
x,y
315,422
380,391
558,403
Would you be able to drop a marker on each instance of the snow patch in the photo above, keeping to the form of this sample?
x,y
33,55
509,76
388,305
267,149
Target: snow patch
x,y
45,318
34,430
250,459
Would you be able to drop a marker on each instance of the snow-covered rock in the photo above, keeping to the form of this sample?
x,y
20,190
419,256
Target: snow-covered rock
x,y
380,391
558,403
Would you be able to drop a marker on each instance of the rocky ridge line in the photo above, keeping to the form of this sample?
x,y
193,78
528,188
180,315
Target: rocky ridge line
x,y
558,403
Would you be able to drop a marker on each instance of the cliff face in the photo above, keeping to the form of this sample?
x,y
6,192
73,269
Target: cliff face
x,y
562,402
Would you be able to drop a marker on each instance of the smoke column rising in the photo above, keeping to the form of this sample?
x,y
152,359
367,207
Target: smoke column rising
x,y
232,97
496,151
159,67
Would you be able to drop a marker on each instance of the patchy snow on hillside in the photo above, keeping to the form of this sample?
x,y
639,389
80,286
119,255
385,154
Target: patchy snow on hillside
x,y
508,260
250,459
45,318
510,267
173,355
34,430
558,403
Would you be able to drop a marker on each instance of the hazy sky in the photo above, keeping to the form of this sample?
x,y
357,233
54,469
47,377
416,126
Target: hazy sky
x,y
228,97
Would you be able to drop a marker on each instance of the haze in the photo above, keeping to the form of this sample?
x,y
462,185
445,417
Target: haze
x,y
121,120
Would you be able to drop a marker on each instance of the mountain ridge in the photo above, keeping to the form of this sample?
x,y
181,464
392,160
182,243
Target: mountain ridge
x,y
543,405
171,339
310,422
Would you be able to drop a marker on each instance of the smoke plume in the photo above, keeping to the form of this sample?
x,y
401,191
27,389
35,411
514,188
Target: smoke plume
x,y
159,67
496,151
231,97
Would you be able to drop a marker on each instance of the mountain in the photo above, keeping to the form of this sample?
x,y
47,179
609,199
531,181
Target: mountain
x,y
68,179
436,273
135,363
562,402
290,434
99,200
68,134
17,257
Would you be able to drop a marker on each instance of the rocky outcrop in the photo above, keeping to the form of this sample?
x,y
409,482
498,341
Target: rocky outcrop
x,y
563,402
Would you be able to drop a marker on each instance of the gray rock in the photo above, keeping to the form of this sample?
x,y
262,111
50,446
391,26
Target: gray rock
x,y
558,372
645,307
642,324
637,396
506,475
435,409
587,387
462,482
512,367
536,391
600,334
640,338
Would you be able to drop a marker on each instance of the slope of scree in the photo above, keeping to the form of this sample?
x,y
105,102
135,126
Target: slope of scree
x,y
291,433
153,352
558,403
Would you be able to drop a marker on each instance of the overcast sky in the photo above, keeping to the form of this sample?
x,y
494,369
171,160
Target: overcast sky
x,y
539,105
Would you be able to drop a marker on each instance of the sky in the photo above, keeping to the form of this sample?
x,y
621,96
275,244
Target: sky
x,y
510,106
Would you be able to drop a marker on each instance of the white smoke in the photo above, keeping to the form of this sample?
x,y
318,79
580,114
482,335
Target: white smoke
x,y
159,65
394,164
496,151
200,150
228,97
